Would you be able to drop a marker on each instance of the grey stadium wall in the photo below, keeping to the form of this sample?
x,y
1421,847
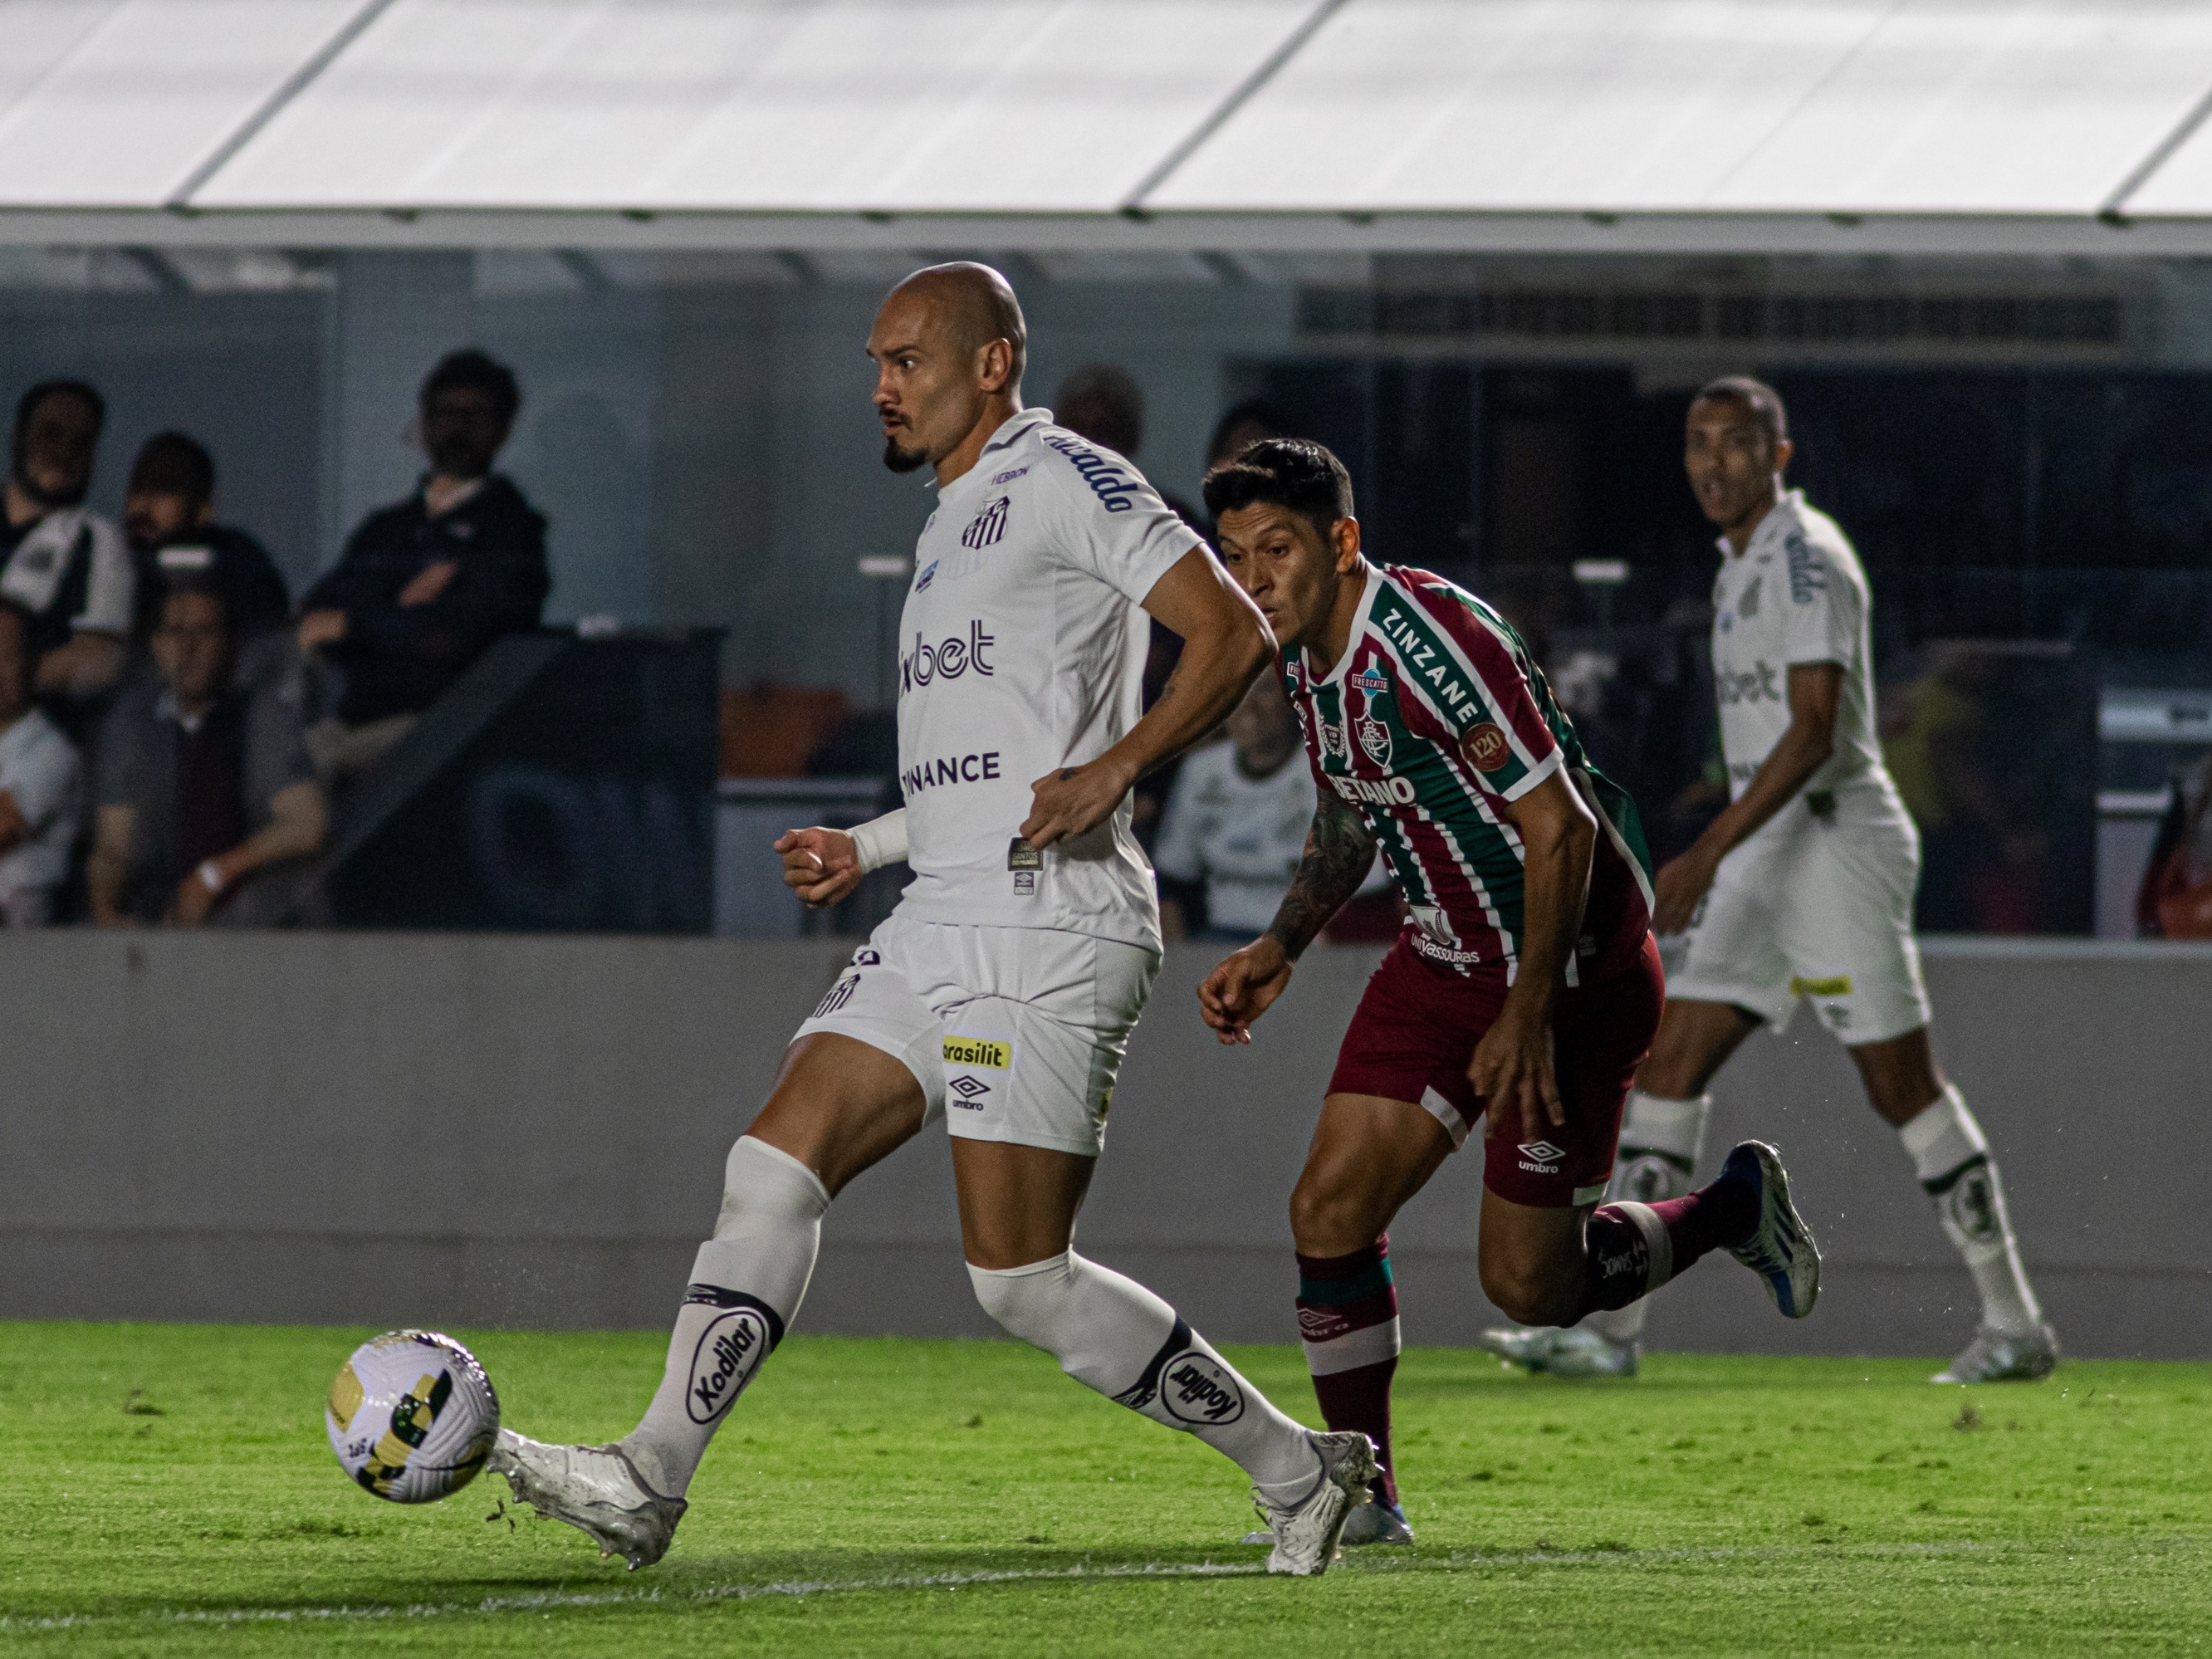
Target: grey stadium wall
x,y
383,1129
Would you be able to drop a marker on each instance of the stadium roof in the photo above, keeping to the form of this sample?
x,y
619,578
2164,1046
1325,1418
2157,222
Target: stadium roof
x,y
2037,126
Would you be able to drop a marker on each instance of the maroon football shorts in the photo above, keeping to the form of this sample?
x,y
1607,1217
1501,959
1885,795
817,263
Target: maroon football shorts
x,y
1416,1030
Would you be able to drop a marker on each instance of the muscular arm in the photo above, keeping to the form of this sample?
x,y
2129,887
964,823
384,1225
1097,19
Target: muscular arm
x,y
1340,852
1225,644
1816,690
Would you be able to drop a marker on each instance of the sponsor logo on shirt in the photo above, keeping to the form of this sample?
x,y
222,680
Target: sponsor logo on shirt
x,y
1758,683
1371,680
1332,741
948,659
987,527
986,1052
1836,985
1112,486
950,768
1373,739
1009,475
1375,791
1485,747
927,576
1427,664
1807,574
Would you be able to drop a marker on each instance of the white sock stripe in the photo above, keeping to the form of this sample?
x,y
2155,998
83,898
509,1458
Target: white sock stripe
x,y
1656,1241
1348,1353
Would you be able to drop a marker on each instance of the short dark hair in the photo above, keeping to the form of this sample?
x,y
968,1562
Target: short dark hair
x,y
171,464
182,584
1295,473
27,404
1764,402
475,371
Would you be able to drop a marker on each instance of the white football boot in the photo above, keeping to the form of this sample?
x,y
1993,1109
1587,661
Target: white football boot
x,y
1780,1250
2004,1357
1306,1538
1575,1352
595,1490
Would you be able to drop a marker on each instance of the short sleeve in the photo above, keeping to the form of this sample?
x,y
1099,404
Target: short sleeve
x,y
44,783
1471,684
1822,620
112,582
1117,527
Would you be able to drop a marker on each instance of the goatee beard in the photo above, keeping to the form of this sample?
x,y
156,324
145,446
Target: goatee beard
x,y
903,460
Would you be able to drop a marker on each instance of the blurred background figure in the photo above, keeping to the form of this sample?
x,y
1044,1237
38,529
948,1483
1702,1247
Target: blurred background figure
x,y
208,806
169,520
426,585
2176,900
39,780
66,567
1245,423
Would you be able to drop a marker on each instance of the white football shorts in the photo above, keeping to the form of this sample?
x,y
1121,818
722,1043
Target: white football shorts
x,y
1015,1034
1815,908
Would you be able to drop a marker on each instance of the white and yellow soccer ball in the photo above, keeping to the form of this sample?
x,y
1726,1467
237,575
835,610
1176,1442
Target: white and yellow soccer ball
x,y
412,1416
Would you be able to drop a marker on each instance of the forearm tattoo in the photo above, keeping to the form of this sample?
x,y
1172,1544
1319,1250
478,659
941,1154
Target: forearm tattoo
x,y
1340,852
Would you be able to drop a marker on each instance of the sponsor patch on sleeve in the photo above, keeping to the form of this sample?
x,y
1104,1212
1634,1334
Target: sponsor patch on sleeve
x,y
1485,747
986,1052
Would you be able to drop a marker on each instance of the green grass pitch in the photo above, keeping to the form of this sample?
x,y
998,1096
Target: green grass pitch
x,y
170,1491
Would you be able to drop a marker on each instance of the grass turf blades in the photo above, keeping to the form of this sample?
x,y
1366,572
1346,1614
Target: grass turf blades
x,y
173,1493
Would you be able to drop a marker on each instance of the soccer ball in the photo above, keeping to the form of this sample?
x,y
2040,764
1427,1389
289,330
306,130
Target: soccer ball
x,y
412,1416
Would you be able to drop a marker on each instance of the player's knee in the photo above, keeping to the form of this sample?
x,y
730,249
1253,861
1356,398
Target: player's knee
x,y
764,1185
1025,1302
1529,1292
1329,1216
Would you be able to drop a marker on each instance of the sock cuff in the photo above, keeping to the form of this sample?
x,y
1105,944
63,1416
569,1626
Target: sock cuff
x,y
1329,1280
1658,1242
1064,1261
782,1165
1944,1137
1341,1266
1653,1123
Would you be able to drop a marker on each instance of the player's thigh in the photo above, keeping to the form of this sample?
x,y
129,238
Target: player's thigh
x,y
1846,926
1018,1203
862,1074
1733,953
1368,1156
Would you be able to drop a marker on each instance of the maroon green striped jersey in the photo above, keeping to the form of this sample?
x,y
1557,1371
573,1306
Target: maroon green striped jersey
x,y
1434,716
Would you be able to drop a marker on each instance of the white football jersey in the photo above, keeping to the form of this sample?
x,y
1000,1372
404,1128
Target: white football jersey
x,y
1797,595
1021,651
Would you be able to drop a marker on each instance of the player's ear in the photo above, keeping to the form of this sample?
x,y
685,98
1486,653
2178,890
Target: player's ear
x,y
1784,449
1343,542
995,363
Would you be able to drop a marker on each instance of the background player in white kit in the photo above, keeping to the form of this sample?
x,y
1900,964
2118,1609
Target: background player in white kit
x,y
1803,887
1001,992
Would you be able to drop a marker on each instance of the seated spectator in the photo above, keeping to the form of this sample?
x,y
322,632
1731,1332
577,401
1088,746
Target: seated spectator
x,y
426,585
168,517
208,806
1235,825
67,568
37,787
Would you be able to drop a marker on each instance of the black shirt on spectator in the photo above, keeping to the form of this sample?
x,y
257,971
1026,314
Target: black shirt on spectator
x,y
400,659
237,567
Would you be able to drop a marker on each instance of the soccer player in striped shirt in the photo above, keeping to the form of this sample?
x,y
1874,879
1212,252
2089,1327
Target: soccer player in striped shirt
x,y
1525,990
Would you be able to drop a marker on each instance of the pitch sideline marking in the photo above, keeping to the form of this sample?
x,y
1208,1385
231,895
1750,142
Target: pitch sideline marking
x,y
800,1588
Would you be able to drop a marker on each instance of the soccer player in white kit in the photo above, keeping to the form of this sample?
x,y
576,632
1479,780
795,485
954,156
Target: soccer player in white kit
x,y
1000,995
1803,887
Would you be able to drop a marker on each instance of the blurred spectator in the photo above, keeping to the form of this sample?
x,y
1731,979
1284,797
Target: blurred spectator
x,y
208,803
38,786
67,568
425,587
169,517
1236,827
2175,900
1245,423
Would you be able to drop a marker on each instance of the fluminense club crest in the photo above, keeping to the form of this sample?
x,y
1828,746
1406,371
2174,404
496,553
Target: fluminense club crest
x,y
1373,739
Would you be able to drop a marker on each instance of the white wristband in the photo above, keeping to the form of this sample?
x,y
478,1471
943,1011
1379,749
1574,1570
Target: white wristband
x,y
880,841
210,877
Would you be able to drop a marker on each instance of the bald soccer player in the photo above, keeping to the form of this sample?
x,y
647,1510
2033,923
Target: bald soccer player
x,y
998,997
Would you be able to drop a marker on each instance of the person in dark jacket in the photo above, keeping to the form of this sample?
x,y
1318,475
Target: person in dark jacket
x,y
168,517
427,585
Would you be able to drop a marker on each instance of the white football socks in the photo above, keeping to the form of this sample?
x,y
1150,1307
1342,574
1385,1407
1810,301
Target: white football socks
x,y
1661,1140
746,1285
1112,1334
1951,1156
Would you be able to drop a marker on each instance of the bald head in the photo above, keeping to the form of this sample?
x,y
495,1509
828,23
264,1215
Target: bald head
x,y
976,305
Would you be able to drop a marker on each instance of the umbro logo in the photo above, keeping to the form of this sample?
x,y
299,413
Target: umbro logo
x,y
968,1087
1542,1154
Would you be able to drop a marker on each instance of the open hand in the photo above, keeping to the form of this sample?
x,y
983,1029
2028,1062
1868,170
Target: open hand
x,y
1515,1075
821,866
1679,889
193,902
1245,987
1073,800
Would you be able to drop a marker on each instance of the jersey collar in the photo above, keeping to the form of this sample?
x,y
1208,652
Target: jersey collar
x,y
1335,675
1771,528
1011,430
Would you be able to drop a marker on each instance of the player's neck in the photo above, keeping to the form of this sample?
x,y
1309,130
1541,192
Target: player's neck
x,y
1739,533
998,409
1327,645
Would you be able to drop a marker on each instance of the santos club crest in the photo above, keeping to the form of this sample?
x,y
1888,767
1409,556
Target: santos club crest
x,y
1374,739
